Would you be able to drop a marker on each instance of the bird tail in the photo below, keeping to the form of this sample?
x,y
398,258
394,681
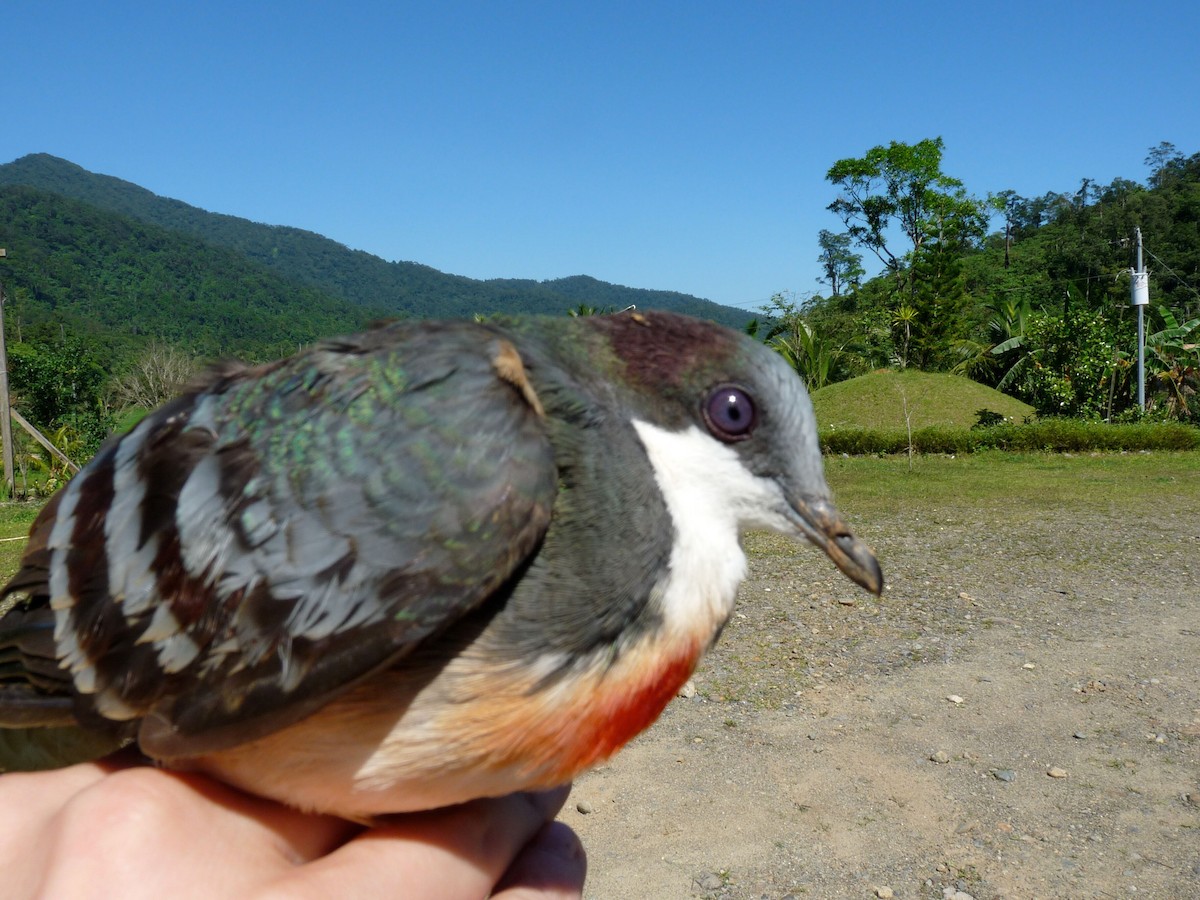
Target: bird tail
x,y
31,749
38,726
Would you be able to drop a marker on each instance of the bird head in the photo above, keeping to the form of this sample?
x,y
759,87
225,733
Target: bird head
x,y
729,429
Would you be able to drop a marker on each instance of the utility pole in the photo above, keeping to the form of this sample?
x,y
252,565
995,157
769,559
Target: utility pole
x,y
1140,297
5,418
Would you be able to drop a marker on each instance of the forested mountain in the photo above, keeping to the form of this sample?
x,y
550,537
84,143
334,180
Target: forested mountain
x,y
88,293
399,288
115,296
74,269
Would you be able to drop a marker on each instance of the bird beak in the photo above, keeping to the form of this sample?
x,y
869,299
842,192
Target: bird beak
x,y
822,524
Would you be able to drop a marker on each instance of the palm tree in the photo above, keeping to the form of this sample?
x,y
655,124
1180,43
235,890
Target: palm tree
x,y
904,318
983,360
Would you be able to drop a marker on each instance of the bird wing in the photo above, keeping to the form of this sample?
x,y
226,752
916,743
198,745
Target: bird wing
x,y
259,545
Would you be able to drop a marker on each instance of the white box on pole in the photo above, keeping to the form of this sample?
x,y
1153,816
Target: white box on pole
x,y
1139,293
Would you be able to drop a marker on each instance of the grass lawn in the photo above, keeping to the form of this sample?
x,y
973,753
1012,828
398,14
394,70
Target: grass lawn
x,y
15,519
1138,482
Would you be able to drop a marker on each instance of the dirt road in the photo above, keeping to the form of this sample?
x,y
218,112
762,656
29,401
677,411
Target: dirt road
x,y
1018,717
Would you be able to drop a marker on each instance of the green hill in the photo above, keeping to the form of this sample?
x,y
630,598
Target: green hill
x,y
405,288
879,401
73,269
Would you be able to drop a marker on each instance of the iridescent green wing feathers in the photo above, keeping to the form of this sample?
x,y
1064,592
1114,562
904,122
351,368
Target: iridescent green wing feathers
x,y
253,549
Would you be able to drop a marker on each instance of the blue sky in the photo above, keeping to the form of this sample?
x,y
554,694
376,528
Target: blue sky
x,y
678,146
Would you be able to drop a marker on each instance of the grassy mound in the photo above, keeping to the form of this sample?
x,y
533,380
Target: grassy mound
x,y
878,402
866,416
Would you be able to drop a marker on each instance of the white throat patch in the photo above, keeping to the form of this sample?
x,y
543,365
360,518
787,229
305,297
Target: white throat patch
x,y
711,496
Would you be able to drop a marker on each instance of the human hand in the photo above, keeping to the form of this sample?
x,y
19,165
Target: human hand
x,y
113,829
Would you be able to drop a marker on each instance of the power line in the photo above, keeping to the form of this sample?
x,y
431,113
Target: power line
x,y
1172,271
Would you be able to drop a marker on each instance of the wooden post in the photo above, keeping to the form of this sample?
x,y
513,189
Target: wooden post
x,y
5,422
43,440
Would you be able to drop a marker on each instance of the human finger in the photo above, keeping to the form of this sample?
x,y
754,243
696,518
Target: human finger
x,y
552,866
141,831
460,851
33,800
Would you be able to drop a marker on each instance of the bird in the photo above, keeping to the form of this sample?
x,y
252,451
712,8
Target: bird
x,y
425,563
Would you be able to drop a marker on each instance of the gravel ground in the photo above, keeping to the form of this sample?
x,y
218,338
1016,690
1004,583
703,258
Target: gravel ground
x,y
1018,717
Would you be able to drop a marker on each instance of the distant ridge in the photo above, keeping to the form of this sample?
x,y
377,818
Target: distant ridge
x,y
76,272
406,288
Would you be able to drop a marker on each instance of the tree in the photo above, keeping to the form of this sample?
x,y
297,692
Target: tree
x,y
1164,162
809,353
903,323
1012,206
60,384
941,305
806,349
1175,365
1063,368
982,360
898,203
160,373
903,185
841,266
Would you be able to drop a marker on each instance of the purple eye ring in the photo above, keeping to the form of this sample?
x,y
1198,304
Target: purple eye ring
x,y
729,413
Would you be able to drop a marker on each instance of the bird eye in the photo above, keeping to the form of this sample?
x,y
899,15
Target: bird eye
x,y
729,413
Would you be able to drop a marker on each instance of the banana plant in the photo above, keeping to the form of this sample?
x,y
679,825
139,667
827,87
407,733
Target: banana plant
x,y
809,353
1175,362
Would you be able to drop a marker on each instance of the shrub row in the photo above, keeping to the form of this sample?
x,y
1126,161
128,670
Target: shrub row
x,y
1049,435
